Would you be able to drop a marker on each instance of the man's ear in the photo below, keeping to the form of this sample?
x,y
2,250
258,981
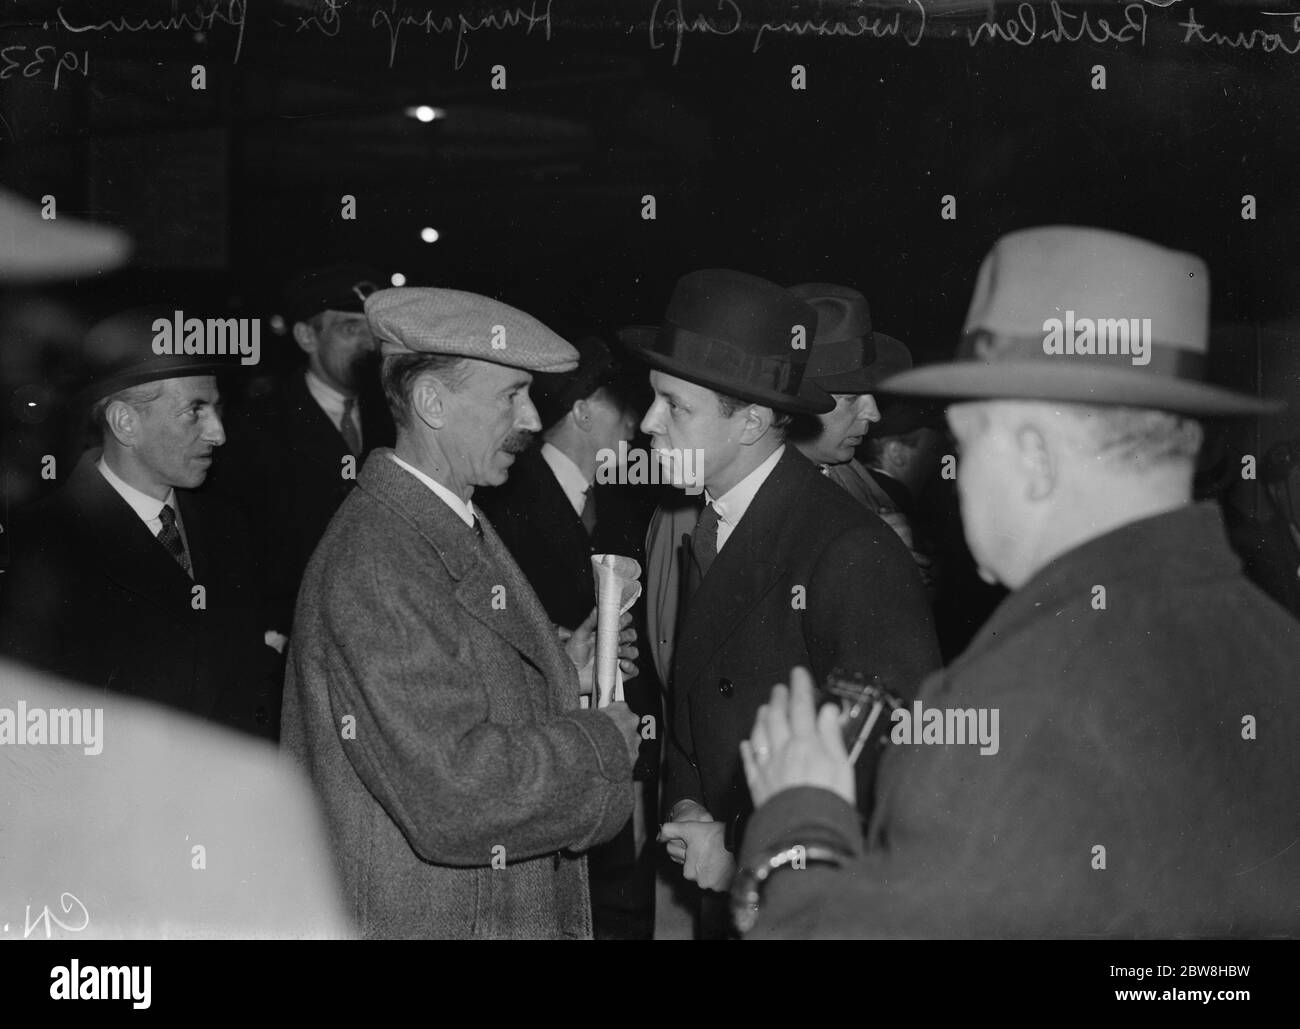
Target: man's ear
x,y
581,414
123,422
1036,462
305,336
758,419
426,401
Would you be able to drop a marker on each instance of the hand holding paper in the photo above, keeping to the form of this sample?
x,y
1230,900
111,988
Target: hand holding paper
x,y
617,589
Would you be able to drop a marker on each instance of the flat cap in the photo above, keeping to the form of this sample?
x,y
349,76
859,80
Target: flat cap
x,y
426,320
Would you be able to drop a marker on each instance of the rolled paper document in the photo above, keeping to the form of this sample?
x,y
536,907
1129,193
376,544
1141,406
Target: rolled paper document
x,y
617,587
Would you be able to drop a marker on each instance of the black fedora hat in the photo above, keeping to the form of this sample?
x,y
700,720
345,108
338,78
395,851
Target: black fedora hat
x,y
739,334
846,355
119,354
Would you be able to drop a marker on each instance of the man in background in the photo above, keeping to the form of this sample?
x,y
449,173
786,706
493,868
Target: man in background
x,y
125,577
293,456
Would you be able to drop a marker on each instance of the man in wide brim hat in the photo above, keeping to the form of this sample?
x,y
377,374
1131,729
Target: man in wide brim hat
x,y
729,366
1129,791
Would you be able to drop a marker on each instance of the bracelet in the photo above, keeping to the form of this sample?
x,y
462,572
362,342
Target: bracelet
x,y
747,891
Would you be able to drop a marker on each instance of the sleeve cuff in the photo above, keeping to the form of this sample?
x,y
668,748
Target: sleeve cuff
x,y
804,814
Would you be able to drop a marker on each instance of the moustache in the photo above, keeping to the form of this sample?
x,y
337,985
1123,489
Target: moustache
x,y
517,442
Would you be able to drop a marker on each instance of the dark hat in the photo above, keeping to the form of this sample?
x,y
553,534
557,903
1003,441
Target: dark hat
x,y
341,287
735,333
846,355
1086,316
555,393
899,417
119,354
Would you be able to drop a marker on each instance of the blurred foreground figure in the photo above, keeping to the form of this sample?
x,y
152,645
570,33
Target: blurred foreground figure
x,y
1114,754
123,819
126,820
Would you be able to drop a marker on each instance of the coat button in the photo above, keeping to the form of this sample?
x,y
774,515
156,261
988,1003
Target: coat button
x,y
726,687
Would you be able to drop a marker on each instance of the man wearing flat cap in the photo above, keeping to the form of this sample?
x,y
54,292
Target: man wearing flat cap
x,y
428,694
1141,778
293,455
553,515
782,568
124,577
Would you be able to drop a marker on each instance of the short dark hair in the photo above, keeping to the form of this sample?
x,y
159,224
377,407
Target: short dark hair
x,y
399,372
729,405
136,396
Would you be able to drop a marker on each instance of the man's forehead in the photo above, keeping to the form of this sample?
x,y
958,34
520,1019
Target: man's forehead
x,y
662,382
191,387
334,317
498,376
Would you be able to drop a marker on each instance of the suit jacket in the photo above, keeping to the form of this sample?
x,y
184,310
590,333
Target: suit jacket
x,y
468,748
806,578
93,596
285,464
881,496
1161,729
547,539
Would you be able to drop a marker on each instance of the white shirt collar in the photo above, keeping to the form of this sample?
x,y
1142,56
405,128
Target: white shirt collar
x,y
146,507
733,504
463,510
569,475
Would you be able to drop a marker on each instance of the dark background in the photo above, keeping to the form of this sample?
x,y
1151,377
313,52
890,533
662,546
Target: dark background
x,y
536,190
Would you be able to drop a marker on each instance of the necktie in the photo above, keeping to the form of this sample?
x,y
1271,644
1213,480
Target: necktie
x,y
588,514
170,537
351,436
478,527
704,540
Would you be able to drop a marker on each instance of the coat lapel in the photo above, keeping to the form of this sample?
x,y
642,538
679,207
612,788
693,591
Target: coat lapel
x,y
743,572
478,568
120,543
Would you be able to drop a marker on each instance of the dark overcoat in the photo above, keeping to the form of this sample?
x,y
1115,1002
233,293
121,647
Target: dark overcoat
x,y
1147,781
92,595
808,577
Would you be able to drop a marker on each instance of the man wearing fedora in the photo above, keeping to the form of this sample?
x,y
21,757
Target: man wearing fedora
x,y
428,694
124,577
553,515
293,454
782,566
1146,782
848,360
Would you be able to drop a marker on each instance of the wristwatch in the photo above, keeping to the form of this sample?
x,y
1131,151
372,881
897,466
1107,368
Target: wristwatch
x,y
747,890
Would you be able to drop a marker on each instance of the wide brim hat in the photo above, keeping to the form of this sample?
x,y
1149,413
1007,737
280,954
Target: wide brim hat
x,y
119,354
738,334
847,355
1061,313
